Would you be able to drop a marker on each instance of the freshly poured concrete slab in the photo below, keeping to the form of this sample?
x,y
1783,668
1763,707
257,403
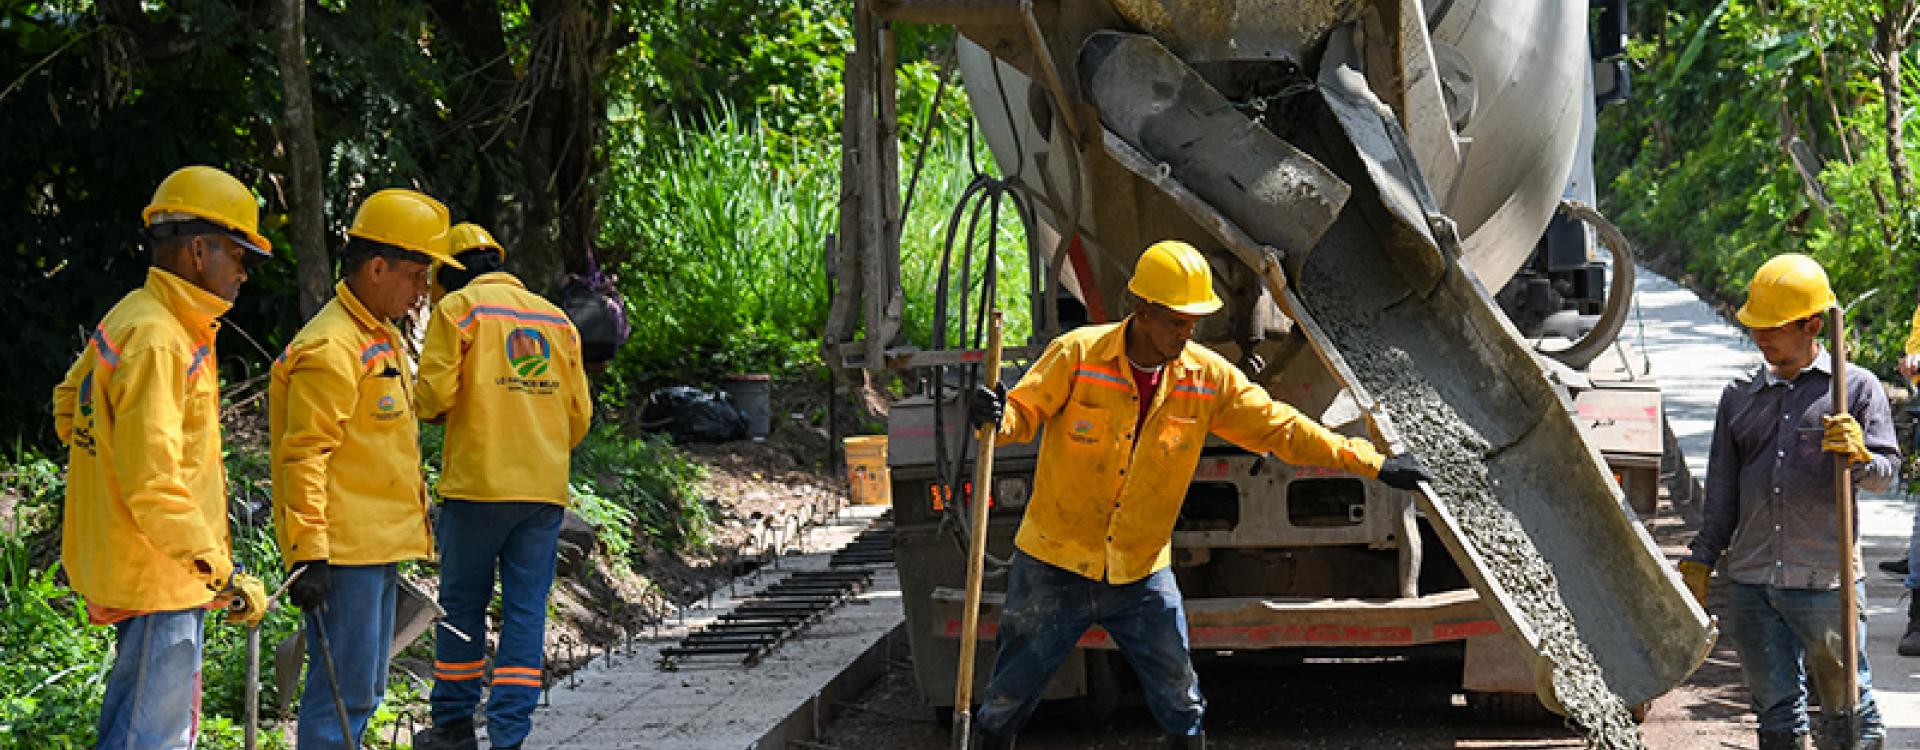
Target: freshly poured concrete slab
x,y
627,702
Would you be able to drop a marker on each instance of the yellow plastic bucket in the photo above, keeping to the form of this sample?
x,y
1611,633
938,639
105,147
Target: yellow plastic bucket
x,y
868,480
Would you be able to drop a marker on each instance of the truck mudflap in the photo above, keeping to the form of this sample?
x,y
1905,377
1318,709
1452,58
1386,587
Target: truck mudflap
x,y
1254,623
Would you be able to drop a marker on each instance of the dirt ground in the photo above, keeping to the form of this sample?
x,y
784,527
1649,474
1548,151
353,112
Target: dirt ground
x,y
1290,702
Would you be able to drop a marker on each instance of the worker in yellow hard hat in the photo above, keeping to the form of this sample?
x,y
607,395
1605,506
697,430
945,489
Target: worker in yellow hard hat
x,y
349,500
1126,408
498,361
1770,515
1906,566
145,538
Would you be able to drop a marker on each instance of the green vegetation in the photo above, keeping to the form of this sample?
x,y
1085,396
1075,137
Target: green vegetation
x,y
1702,158
637,490
690,148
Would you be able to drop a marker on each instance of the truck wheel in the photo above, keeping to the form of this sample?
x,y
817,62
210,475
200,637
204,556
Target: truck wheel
x,y
1509,708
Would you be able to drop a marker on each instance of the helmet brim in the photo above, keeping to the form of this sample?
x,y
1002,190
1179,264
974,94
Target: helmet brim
x,y
1203,307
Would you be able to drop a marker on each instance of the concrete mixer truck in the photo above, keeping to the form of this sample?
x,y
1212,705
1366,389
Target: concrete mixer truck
x,y
1394,196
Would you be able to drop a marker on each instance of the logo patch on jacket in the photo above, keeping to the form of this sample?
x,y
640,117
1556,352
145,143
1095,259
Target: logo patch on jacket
x,y
86,395
529,356
387,408
528,352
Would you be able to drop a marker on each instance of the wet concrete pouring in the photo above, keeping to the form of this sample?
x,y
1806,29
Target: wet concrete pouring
x,y
1456,454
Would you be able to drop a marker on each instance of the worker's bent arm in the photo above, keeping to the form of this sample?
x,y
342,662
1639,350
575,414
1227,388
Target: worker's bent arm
x,y
150,393
1039,395
64,397
579,396
1871,408
321,391
1248,417
440,364
1720,511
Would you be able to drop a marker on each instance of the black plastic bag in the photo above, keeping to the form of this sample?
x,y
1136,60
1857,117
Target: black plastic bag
x,y
597,311
691,415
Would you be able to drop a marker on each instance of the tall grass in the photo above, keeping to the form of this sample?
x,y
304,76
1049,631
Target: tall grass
x,y
725,225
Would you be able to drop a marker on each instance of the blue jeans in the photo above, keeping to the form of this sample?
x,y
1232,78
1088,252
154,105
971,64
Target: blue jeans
x,y
1047,611
358,616
522,540
1781,635
153,691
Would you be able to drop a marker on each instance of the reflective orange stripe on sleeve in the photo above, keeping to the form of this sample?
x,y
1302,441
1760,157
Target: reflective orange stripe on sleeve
x,y
104,348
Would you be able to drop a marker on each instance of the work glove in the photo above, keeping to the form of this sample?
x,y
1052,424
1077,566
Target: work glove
x,y
310,589
985,405
1404,472
1845,438
1695,574
245,601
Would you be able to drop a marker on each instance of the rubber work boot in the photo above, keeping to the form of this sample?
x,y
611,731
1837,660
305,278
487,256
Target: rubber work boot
x,y
1184,742
1835,733
452,736
1910,643
1783,741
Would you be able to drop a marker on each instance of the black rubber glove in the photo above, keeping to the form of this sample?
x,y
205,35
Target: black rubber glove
x,y
1404,472
310,589
984,405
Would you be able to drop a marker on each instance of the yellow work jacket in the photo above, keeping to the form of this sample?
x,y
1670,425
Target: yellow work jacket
x,y
1104,502
146,490
503,367
346,449
1913,333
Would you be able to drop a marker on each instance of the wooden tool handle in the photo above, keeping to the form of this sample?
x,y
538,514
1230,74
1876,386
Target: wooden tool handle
x,y
977,506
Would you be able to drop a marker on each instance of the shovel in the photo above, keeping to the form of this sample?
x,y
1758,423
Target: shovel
x,y
976,553
1843,497
253,661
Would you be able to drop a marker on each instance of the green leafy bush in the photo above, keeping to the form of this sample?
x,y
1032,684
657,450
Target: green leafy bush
x,y
638,490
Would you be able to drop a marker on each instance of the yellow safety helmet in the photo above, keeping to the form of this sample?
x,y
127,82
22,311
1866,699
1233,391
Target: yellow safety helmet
x,y
1785,289
467,235
1173,274
406,219
213,195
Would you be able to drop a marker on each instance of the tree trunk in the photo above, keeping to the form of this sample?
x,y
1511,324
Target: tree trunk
x,y
1890,39
306,199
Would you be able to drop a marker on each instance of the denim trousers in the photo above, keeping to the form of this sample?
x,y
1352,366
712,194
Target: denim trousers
x,y
521,541
1048,609
1784,634
1913,553
358,615
153,690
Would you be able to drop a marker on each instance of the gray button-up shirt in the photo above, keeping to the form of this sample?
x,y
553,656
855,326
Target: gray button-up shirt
x,y
1770,505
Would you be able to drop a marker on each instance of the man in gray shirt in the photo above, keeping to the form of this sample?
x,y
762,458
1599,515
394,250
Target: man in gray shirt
x,y
1770,519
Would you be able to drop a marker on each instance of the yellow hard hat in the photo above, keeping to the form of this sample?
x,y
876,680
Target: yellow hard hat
x,y
467,235
1785,289
1174,274
406,219
213,195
